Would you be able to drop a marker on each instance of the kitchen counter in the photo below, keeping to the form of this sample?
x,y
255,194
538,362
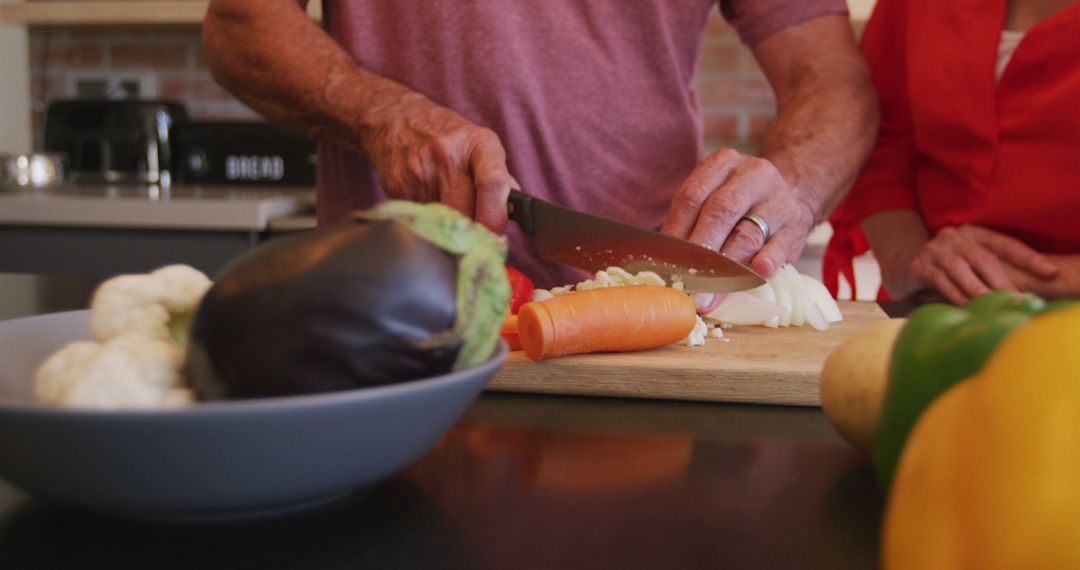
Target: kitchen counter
x,y
536,482
101,230
122,12
150,206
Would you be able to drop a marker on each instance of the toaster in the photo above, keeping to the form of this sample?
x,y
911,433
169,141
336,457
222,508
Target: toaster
x,y
116,140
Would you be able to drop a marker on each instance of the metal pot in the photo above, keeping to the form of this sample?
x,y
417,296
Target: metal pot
x,y
33,169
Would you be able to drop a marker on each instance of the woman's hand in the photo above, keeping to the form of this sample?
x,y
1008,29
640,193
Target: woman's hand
x,y
1065,284
967,261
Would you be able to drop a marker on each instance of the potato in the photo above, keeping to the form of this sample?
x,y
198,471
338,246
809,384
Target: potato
x,y
853,381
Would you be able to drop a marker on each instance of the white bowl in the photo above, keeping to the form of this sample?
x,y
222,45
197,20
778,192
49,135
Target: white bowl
x,y
215,460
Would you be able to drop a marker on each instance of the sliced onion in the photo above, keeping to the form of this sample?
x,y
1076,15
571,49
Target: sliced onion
x,y
815,318
795,288
767,293
706,302
821,297
743,308
783,298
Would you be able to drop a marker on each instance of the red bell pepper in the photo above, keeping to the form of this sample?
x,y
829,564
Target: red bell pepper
x,y
521,289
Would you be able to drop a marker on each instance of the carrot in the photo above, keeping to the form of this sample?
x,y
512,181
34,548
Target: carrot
x,y
513,342
510,325
612,319
509,332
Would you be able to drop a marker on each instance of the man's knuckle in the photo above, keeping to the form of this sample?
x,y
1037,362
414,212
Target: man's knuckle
x,y
747,240
442,148
792,248
485,136
415,168
720,209
802,217
724,156
695,193
760,167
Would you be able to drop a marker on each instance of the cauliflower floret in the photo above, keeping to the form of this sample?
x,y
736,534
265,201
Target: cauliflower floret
x,y
125,372
158,305
541,295
697,336
557,291
141,323
602,279
619,277
613,277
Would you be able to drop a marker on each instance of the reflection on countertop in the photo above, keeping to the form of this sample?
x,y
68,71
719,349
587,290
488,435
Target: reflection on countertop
x,y
535,482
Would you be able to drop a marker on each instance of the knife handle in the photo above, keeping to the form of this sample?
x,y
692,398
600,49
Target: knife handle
x,y
519,208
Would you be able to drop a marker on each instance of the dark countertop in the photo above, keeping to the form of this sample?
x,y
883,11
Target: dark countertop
x,y
528,482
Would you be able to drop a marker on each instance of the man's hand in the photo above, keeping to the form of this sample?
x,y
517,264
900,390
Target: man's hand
x,y
708,206
824,128
422,151
967,261
428,153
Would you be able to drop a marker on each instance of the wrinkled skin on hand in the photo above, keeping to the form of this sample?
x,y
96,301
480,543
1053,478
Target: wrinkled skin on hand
x,y
424,152
966,261
708,206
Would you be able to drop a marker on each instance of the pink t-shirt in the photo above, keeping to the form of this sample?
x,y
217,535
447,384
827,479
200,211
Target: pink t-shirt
x,y
593,101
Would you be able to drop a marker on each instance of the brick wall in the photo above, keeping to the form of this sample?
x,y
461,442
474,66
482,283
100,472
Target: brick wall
x,y
168,62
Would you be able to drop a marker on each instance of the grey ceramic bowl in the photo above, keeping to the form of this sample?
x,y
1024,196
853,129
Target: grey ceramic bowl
x,y
213,461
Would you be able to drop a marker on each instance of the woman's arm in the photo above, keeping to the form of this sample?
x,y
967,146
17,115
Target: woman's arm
x,y
962,262
896,238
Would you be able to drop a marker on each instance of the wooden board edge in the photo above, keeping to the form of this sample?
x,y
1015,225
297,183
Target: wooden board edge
x,y
803,390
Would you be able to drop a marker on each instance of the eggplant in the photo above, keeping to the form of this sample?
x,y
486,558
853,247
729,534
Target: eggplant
x,y
401,292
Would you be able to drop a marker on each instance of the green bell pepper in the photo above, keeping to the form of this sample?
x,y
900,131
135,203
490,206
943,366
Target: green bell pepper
x,y
939,346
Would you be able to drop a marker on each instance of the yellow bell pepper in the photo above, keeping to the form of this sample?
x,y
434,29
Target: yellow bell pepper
x,y
990,476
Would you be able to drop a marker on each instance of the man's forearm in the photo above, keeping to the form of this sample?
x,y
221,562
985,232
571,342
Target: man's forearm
x,y
307,81
827,112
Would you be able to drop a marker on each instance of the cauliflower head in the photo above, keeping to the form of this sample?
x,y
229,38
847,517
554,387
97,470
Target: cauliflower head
x,y
158,305
141,325
125,372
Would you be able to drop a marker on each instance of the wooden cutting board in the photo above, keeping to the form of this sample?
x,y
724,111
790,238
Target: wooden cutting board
x,y
758,365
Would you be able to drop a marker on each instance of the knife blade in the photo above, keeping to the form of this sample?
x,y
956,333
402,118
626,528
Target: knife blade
x,y
594,243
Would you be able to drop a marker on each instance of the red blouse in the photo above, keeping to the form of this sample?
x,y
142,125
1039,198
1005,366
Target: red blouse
x,y
958,148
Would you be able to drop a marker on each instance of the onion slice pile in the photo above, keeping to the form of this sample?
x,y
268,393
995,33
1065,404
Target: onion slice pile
x,y
788,299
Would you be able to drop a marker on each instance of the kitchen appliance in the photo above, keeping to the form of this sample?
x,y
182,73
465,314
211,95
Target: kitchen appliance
x,y
33,169
248,153
757,365
593,243
115,140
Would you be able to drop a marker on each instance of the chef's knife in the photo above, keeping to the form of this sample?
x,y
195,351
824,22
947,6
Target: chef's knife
x,y
593,243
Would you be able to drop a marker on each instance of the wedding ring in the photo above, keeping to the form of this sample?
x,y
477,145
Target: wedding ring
x,y
760,223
